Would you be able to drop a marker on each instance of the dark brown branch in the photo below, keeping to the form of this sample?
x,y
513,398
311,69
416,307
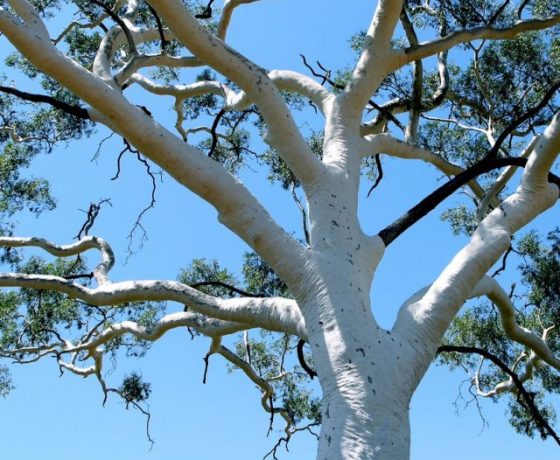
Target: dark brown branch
x,y
229,287
119,159
215,124
75,110
499,11
206,364
521,8
493,153
207,12
164,41
271,420
92,214
487,164
414,214
543,426
77,277
504,262
115,17
379,174
302,362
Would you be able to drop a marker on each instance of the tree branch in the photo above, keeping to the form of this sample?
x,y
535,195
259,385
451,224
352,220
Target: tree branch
x,y
237,207
463,36
542,424
283,134
375,60
428,204
74,110
386,143
428,315
276,313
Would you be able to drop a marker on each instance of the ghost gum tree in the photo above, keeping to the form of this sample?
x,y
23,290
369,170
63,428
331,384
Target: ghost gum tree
x,y
466,87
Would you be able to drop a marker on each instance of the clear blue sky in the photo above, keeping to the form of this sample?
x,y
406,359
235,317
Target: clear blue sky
x,y
52,417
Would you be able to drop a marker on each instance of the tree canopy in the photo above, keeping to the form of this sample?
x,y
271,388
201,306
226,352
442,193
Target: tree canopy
x,y
468,89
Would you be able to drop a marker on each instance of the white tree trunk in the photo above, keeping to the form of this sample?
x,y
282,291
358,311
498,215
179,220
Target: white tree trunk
x,y
379,430
365,374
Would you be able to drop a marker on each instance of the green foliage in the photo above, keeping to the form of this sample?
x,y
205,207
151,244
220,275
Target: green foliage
x,y
279,172
523,421
537,309
271,355
82,47
31,318
259,277
134,390
201,271
541,273
461,220
5,382
503,78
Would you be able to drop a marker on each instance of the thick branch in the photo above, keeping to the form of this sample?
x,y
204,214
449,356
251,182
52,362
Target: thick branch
x,y
101,272
283,133
478,33
237,208
490,288
429,316
428,204
283,79
386,143
376,57
276,314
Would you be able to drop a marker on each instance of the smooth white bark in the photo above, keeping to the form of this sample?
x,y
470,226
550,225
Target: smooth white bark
x,y
425,321
237,208
367,374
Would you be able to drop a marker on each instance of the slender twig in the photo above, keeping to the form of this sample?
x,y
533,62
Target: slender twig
x,y
229,287
499,11
303,213
215,124
92,214
379,166
504,262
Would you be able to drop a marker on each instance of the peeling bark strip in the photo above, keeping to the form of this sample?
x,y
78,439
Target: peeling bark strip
x,y
367,374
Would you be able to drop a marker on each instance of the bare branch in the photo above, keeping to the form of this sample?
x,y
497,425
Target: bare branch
x,y
74,110
283,133
101,272
238,209
463,36
270,313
